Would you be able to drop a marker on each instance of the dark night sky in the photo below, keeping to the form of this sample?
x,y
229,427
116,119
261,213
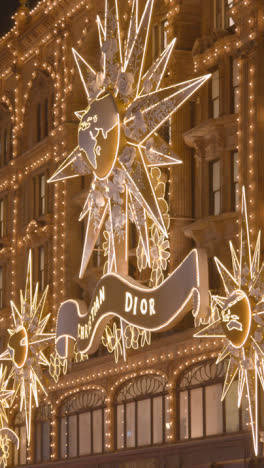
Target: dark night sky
x,y
8,8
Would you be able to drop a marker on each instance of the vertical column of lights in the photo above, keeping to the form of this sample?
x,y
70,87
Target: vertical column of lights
x,y
58,87
170,419
108,439
239,136
251,142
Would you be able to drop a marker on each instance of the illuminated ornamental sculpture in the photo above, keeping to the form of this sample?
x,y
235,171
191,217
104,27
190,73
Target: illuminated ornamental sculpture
x,y
25,348
119,145
239,319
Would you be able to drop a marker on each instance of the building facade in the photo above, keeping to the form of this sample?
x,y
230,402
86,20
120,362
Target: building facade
x,y
162,407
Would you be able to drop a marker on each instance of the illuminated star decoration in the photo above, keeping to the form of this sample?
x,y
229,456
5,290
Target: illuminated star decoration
x,y
118,138
7,436
239,319
26,344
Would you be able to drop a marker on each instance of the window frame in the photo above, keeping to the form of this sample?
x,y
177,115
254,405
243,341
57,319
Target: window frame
x,y
215,99
212,192
234,182
203,386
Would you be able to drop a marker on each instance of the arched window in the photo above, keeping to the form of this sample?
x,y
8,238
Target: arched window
x,y
20,455
5,136
141,412
201,412
42,433
82,424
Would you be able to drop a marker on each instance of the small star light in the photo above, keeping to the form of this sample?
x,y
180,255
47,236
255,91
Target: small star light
x,y
118,140
239,319
25,347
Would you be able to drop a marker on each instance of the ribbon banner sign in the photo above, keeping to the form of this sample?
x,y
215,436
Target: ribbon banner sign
x,y
152,309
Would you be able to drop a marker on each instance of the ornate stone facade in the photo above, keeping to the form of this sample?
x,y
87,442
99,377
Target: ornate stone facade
x,y
39,92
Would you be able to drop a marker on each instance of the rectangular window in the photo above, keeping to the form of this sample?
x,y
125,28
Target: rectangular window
x,y
98,431
196,412
222,18
130,424
46,441
63,437
72,425
213,409
231,409
235,84
120,417
158,420
143,422
215,203
184,415
23,446
215,94
42,194
163,35
234,181
5,147
41,267
84,434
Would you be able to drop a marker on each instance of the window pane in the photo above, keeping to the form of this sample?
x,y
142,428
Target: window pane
x,y
156,40
216,108
196,413
23,447
213,409
216,175
231,409
97,431
120,426
85,433
143,422
72,428
184,414
130,424
158,424
215,84
38,442
46,440
63,437
217,204
245,413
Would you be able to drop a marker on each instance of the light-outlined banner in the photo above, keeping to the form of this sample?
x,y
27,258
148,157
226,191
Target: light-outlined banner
x,y
152,309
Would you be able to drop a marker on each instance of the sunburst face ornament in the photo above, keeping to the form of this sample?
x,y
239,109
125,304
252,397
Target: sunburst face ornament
x,y
118,138
25,347
239,319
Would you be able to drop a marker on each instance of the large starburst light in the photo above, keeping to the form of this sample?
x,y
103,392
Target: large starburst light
x,y
239,319
27,341
117,135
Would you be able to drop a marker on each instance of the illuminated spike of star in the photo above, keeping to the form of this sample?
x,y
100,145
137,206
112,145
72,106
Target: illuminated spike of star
x,y
241,321
224,353
228,280
158,69
70,167
231,373
86,72
25,348
141,37
160,153
5,395
132,30
213,330
101,31
112,29
93,229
